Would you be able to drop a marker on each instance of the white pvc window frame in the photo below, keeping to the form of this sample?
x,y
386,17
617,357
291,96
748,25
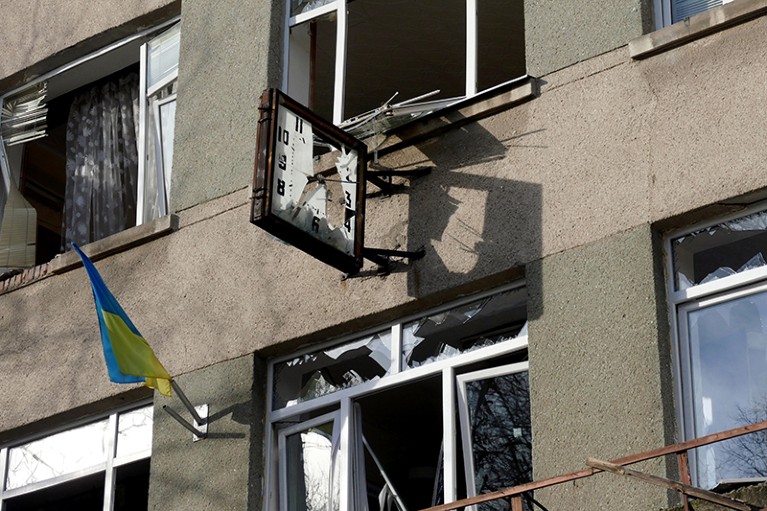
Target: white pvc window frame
x,y
682,302
108,467
343,403
5,174
339,8
463,410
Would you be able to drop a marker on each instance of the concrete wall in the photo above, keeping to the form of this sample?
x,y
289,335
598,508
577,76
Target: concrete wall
x,y
230,52
558,34
599,368
214,473
45,34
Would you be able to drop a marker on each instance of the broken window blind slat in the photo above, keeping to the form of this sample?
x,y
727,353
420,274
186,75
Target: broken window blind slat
x,y
24,115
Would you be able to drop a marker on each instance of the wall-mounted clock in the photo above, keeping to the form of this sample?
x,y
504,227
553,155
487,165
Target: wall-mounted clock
x,y
309,182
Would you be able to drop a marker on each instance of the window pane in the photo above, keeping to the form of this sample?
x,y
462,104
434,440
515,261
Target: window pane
x,y
720,251
681,9
501,436
728,352
163,53
322,372
134,431
312,473
465,328
57,455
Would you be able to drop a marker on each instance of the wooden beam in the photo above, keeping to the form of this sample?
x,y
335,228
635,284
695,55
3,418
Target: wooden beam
x,y
685,489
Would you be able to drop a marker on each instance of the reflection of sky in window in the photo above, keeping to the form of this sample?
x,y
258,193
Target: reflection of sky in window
x,y
78,448
56,455
134,431
728,348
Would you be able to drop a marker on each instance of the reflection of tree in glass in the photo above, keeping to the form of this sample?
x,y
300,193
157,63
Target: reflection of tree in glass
x,y
747,455
499,411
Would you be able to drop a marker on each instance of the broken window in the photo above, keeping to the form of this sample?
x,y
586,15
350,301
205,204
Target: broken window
x,y
103,464
348,57
720,250
719,294
86,150
399,437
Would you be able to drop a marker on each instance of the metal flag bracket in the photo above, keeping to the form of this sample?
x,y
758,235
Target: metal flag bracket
x,y
199,413
382,257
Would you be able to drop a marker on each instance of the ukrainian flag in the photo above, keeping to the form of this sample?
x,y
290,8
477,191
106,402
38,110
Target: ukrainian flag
x,y
129,357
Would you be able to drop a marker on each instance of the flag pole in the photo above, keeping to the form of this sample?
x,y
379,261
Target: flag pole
x,y
199,420
200,427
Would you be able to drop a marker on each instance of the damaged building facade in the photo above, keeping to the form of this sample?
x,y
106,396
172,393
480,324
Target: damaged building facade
x,y
591,201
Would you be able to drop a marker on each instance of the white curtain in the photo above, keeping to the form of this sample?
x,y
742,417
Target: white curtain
x,y
102,161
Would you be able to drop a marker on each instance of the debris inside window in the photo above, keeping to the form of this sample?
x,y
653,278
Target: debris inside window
x,y
719,251
323,372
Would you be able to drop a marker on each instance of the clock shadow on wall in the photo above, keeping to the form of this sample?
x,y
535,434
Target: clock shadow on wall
x,y
478,229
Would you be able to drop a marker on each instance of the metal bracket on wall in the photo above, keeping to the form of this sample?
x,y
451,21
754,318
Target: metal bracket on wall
x,y
199,413
382,178
381,257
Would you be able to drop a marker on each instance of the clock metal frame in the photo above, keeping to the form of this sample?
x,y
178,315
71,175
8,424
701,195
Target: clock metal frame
x,y
263,190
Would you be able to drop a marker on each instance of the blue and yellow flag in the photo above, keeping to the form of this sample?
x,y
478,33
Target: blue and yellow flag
x,y
129,357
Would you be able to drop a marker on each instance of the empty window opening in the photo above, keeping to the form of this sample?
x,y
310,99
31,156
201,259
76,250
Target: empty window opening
x,y
345,58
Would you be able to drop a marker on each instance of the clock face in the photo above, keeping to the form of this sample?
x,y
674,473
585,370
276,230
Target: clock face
x,y
309,184
314,182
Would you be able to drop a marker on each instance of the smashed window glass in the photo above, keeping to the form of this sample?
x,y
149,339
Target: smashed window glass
x,y
719,251
465,328
321,372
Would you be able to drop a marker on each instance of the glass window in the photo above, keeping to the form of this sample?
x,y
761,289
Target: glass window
x,y
371,424
68,470
721,342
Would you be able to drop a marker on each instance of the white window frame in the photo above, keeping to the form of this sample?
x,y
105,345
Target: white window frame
x,y
5,173
682,302
463,411
344,401
339,8
109,467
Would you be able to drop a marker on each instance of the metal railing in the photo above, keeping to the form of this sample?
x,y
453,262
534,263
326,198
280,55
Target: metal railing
x,y
516,493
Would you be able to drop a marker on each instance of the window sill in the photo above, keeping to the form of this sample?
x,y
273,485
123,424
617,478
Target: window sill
x,y
463,112
696,27
100,249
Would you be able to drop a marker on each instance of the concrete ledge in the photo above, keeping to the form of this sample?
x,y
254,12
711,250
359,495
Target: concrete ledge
x,y
115,243
696,27
470,110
